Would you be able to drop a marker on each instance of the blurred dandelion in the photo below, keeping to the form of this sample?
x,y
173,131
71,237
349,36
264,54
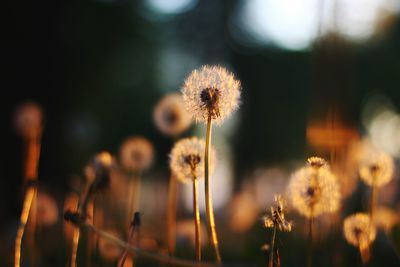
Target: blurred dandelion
x,y
276,220
376,170
360,232
107,249
211,94
47,209
314,190
136,155
170,115
28,121
172,119
187,164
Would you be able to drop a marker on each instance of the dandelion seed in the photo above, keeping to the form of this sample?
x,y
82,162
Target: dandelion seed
x,y
360,232
136,154
376,169
314,189
211,91
171,116
187,159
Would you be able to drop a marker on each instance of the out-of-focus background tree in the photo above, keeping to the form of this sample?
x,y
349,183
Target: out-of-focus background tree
x,y
98,67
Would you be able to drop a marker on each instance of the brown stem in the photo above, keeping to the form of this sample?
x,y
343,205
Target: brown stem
x,y
29,196
171,214
196,216
271,252
310,241
209,207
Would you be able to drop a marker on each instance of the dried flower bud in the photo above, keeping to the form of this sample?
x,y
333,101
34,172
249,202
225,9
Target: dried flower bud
x,y
277,216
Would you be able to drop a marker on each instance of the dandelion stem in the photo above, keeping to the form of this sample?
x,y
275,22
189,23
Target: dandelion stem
x,y
310,241
271,252
171,214
196,216
374,195
172,261
74,250
133,234
209,207
29,196
133,195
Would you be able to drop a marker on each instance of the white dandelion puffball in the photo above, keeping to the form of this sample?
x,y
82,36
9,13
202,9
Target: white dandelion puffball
x,y
359,230
376,169
211,91
314,189
136,154
187,159
170,115
28,120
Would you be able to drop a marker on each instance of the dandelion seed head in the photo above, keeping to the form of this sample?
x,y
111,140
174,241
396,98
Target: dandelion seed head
x,y
211,91
136,154
376,169
359,230
277,216
187,159
170,115
314,190
28,120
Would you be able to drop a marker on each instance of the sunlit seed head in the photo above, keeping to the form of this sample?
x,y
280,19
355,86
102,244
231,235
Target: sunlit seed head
x,y
187,159
28,120
211,91
277,216
359,230
314,191
170,115
136,154
376,169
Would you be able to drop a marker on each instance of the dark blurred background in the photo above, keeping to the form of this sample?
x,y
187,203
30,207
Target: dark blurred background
x,y
98,68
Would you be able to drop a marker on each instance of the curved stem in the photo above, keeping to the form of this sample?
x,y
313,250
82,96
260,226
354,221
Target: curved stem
x,y
271,252
29,196
163,259
209,207
171,214
310,241
196,216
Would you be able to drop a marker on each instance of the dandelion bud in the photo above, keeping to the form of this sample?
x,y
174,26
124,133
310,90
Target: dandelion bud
x,y
101,167
187,159
211,91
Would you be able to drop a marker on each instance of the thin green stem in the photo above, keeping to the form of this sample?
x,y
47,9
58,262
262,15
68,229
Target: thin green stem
x,y
209,207
271,252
